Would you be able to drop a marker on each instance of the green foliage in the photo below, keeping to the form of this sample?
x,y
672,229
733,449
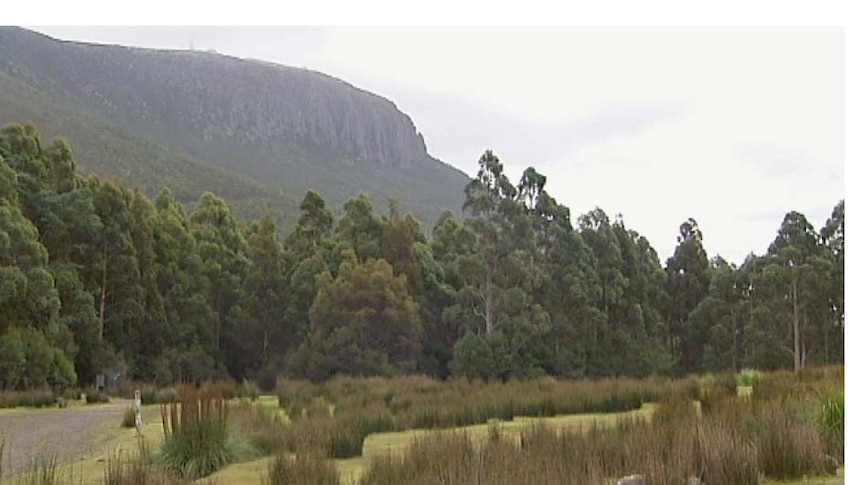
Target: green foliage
x,y
688,282
363,322
831,421
748,377
28,361
97,278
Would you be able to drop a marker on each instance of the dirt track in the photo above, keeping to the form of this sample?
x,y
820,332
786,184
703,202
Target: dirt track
x,y
66,434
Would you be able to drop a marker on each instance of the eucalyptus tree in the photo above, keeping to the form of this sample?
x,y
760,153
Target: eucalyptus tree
x,y
566,283
360,229
687,284
30,327
363,322
307,253
598,233
185,288
60,205
224,253
832,235
258,330
798,263
500,273
723,313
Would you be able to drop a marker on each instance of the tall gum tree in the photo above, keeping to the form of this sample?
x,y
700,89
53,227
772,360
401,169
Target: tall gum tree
x,y
688,280
797,260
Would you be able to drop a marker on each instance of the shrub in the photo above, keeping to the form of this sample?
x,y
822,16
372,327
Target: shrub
x,y
304,469
97,398
748,377
32,398
249,390
196,435
151,394
726,381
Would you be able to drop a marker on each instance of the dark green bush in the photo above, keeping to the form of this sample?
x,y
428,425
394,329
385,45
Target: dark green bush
x,y
97,398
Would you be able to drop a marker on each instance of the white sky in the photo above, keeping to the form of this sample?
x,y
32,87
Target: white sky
x,y
731,126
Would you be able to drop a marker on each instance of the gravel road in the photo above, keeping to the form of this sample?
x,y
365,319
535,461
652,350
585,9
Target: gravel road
x,y
66,434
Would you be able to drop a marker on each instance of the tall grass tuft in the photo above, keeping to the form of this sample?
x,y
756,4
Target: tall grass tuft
x,y
2,454
748,377
789,445
129,415
197,441
123,470
43,471
304,469
831,421
263,428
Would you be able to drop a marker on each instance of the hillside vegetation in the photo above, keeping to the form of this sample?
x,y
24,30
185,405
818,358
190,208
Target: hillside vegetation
x,y
256,134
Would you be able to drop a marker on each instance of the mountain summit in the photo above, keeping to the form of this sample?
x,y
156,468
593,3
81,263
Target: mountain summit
x,y
256,133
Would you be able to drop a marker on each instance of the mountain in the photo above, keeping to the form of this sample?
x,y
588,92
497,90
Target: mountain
x,y
257,134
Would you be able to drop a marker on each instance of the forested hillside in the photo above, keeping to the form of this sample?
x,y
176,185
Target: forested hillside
x,y
256,134
96,275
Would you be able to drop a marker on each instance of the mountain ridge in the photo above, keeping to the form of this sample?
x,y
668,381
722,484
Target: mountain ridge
x,y
290,129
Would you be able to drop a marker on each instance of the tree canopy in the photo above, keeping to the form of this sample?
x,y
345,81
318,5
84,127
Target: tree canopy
x,y
96,275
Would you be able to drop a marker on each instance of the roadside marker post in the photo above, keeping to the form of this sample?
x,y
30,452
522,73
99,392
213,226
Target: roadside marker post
x,y
139,420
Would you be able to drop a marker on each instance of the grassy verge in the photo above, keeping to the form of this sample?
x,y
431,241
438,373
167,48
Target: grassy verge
x,y
395,443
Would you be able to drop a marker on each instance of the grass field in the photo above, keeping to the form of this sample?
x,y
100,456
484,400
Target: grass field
x,y
395,443
704,424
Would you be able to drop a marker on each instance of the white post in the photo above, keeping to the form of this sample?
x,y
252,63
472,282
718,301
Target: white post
x,y
139,420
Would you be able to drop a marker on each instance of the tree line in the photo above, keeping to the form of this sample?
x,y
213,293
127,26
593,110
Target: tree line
x,y
96,276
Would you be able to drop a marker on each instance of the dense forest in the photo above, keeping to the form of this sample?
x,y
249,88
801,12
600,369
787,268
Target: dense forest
x,y
96,276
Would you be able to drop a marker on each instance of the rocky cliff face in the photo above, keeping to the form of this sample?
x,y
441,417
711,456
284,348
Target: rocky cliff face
x,y
258,134
216,97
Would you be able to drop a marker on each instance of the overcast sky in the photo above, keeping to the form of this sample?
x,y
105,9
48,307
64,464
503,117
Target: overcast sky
x,y
731,126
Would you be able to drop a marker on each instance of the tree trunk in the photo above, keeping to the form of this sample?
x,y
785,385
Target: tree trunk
x,y
489,299
733,332
104,296
826,342
265,347
218,324
797,351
